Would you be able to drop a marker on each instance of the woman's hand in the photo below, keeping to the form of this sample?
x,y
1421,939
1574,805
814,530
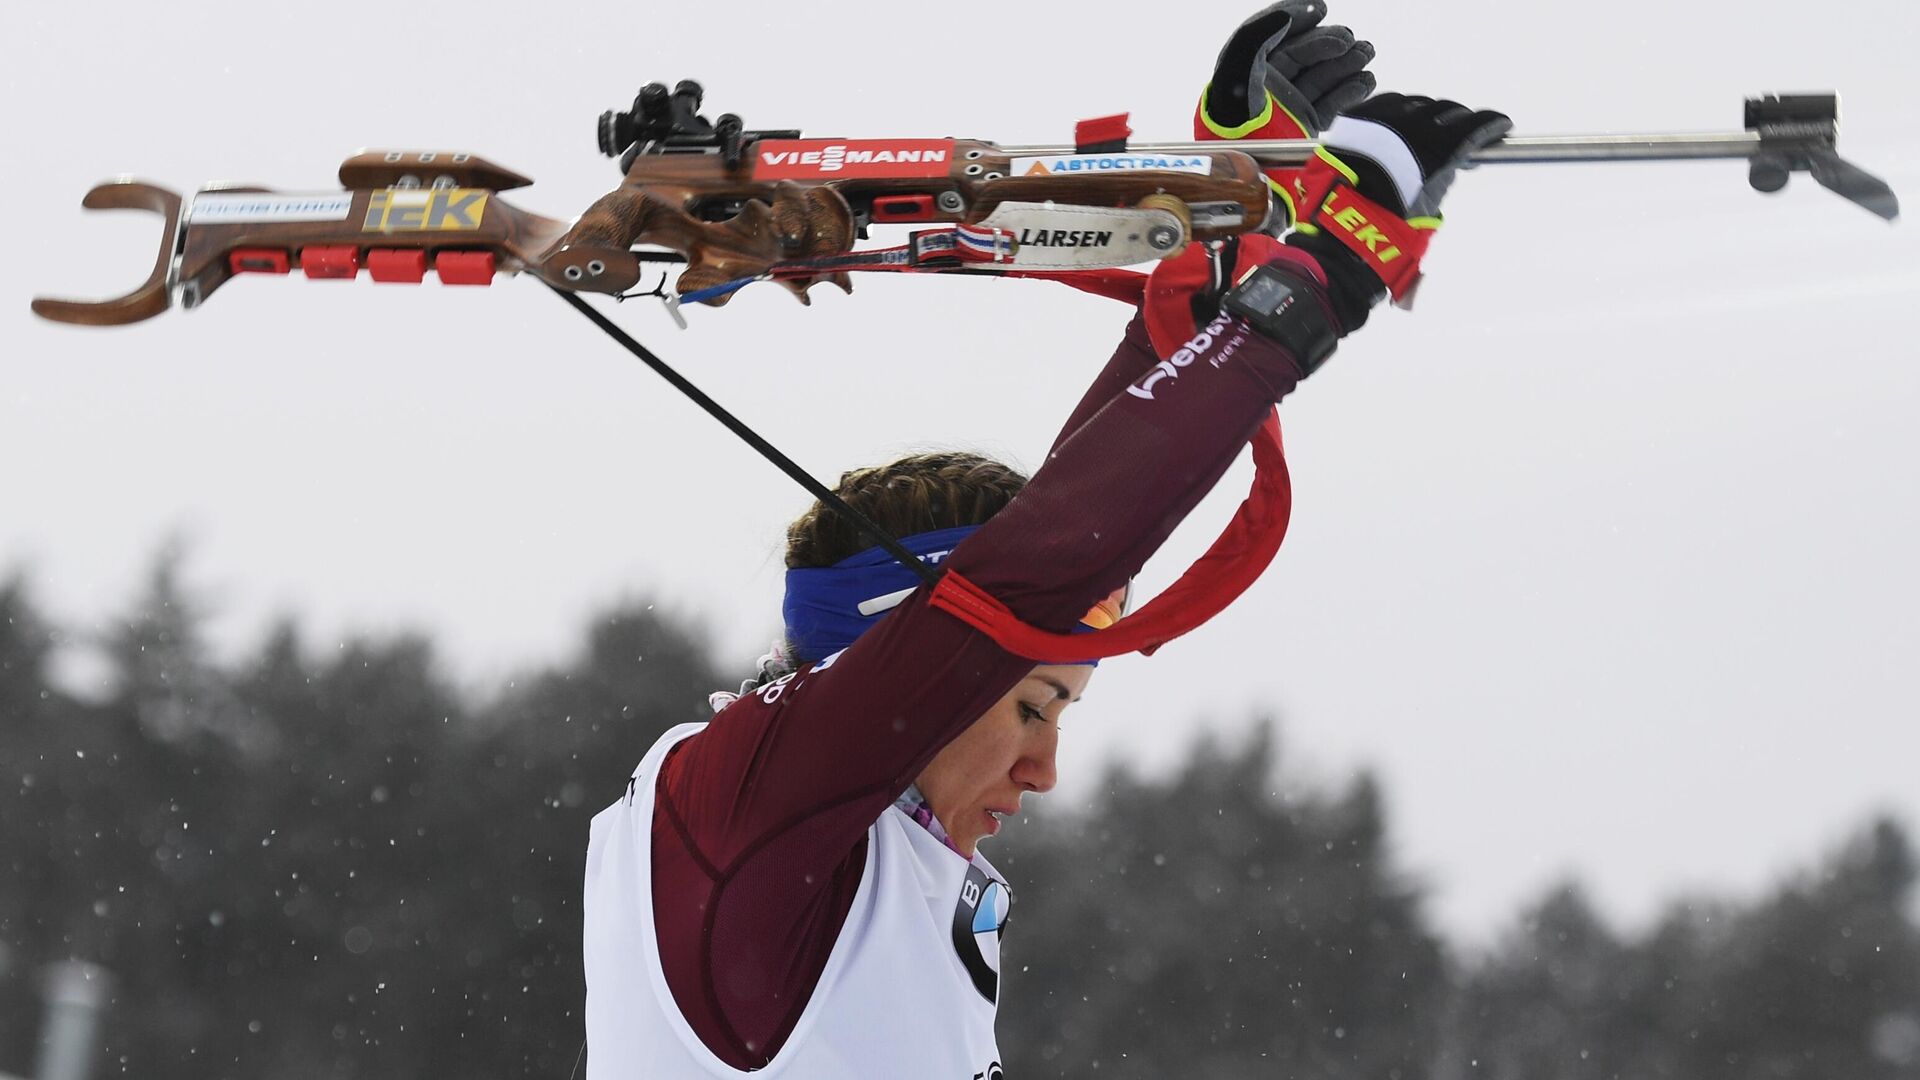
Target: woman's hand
x,y
1282,75
1370,199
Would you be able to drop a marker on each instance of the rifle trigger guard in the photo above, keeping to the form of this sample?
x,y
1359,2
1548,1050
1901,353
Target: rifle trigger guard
x,y
154,295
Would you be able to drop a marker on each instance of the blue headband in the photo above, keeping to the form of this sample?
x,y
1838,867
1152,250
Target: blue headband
x,y
827,608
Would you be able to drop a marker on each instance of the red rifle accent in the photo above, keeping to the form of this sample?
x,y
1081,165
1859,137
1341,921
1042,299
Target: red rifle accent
x,y
400,266
1102,134
330,261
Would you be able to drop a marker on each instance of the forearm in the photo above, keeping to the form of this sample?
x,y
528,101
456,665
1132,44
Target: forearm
x,y
1113,490
1131,359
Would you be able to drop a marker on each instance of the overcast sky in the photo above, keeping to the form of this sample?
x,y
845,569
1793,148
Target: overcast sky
x,y
1603,558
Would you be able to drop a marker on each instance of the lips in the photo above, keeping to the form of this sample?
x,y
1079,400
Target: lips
x,y
997,814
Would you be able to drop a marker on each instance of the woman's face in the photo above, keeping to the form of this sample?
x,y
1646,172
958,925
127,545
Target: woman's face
x,y
978,778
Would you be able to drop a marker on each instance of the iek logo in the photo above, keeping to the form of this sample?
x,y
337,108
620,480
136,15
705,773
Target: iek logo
x,y
413,210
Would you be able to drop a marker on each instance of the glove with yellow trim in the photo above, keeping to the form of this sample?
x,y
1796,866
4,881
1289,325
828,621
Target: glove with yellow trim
x,y
1370,198
1283,76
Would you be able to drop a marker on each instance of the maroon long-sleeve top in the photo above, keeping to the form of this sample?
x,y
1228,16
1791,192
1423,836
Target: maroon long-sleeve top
x,y
760,821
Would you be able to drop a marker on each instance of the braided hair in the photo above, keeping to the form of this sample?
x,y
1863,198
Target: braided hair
x,y
918,493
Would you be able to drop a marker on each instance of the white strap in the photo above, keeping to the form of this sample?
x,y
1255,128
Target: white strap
x,y
1049,236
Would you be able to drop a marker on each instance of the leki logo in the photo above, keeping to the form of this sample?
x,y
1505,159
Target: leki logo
x,y
789,158
1354,221
415,210
1182,357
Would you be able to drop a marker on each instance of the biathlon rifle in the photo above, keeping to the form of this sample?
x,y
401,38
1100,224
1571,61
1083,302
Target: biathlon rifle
x,y
738,206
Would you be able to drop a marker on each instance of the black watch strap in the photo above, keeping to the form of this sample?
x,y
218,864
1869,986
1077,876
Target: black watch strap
x,y
1281,307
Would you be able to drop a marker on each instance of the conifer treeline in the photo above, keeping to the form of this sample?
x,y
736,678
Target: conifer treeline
x,y
327,862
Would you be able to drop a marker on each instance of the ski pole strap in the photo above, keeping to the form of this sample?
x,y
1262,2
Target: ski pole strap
x,y
1390,245
1126,286
1234,562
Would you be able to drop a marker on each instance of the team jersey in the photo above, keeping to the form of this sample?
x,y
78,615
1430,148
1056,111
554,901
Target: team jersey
x,y
920,947
748,868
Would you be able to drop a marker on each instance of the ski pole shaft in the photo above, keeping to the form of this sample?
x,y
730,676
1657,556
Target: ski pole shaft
x,y
1512,150
1786,134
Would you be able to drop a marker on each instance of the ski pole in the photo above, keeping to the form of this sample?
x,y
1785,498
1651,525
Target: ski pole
x,y
1785,134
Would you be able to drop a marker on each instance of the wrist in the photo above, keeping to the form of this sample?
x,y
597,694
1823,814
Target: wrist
x,y
1289,307
1360,210
1186,293
1221,116
1353,289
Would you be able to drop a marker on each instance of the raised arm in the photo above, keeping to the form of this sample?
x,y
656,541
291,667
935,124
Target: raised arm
x,y
1281,75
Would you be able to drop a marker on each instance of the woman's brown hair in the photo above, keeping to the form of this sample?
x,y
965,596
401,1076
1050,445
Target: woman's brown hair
x,y
916,494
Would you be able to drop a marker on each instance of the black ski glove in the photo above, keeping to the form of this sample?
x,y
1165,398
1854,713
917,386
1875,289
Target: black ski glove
x,y
1370,199
1283,76
1314,72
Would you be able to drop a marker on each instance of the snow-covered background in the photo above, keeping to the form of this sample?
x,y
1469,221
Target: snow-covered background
x,y
1604,558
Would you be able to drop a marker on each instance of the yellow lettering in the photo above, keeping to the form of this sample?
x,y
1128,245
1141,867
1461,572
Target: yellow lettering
x,y
411,210
1354,220
1370,236
457,209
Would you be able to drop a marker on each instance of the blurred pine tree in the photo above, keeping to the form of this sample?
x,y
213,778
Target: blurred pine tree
x,y
329,862
1215,926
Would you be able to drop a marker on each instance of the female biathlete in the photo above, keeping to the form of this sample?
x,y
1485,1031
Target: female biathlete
x,y
794,887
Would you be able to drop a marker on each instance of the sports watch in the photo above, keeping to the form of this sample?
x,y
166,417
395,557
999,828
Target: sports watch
x,y
1280,307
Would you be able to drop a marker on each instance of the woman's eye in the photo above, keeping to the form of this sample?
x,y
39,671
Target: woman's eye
x,y
1031,714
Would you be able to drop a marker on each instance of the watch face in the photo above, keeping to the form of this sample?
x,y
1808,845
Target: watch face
x,y
1265,293
1266,299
